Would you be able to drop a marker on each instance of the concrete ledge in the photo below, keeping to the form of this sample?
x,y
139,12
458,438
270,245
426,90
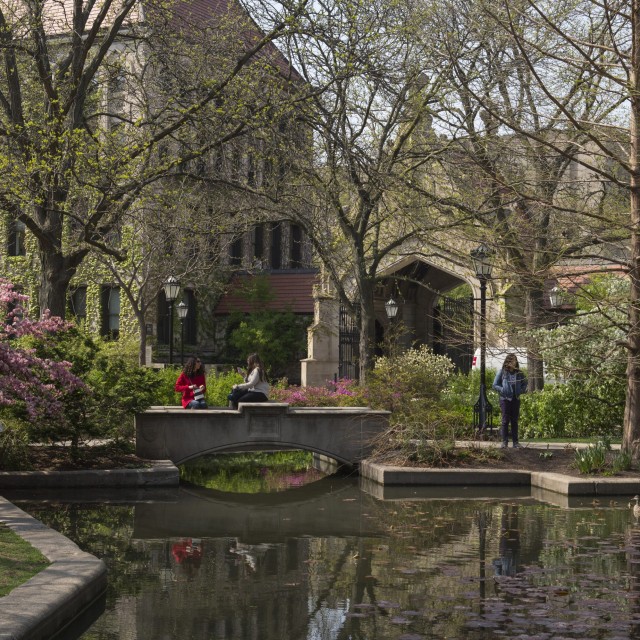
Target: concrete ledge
x,y
555,482
587,486
163,473
389,475
44,605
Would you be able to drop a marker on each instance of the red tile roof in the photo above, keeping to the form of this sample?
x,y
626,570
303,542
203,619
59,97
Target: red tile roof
x,y
291,291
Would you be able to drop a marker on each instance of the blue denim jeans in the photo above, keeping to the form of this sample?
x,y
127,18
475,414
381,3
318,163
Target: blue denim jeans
x,y
197,404
510,410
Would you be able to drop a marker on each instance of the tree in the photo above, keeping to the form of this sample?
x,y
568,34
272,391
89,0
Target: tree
x,y
598,44
515,160
98,106
352,194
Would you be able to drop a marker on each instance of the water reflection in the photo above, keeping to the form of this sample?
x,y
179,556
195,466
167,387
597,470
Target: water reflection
x,y
332,562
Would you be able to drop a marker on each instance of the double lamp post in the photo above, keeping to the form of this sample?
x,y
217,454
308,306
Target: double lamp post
x,y
171,292
482,258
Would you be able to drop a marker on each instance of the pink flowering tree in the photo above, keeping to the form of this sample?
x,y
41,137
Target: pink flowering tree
x,y
31,387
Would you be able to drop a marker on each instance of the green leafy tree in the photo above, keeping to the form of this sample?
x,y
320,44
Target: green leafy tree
x,y
99,106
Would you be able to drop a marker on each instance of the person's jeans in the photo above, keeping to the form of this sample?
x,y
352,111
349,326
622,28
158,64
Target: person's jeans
x,y
249,396
510,410
197,404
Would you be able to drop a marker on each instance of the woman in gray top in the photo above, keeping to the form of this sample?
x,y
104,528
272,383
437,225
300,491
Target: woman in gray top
x,y
255,387
510,383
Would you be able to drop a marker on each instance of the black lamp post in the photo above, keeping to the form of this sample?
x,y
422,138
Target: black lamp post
x,y
171,290
482,410
183,309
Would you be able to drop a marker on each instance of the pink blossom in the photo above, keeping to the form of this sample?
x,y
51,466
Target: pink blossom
x,y
41,384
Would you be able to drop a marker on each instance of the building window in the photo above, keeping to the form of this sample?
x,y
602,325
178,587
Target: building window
x,y
235,253
276,246
16,245
258,246
296,246
78,304
110,306
190,324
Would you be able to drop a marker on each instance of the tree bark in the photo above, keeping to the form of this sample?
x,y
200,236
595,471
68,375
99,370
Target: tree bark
x,y
533,314
55,277
631,429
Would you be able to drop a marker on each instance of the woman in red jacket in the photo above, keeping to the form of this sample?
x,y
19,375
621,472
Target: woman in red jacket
x,y
192,384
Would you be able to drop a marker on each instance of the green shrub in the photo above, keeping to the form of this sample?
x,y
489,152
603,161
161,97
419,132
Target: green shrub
x,y
218,387
166,394
461,394
14,444
118,388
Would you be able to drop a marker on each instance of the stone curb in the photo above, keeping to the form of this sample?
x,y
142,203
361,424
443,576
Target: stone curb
x,y
163,473
42,606
556,482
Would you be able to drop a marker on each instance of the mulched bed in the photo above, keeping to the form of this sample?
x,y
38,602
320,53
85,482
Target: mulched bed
x,y
57,458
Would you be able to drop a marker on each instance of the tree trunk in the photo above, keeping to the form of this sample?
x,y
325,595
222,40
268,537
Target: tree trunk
x,y
367,328
631,426
142,346
54,282
533,314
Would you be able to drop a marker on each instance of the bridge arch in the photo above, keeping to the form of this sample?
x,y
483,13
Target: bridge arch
x,y
345,434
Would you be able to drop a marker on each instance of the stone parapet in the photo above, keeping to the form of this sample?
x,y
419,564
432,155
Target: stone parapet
x,y
345,434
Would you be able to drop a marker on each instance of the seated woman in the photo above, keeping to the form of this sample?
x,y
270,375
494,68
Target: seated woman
x,y
192,385
255,387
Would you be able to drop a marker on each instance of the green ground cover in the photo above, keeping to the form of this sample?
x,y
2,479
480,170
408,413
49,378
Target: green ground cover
x,y
19,561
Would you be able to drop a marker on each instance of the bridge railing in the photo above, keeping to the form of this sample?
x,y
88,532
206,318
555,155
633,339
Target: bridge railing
x,y
345,434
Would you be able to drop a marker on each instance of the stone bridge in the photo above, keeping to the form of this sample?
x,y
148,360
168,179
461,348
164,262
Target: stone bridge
x,y
342,433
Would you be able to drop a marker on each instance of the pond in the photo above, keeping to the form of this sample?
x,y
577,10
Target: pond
x,y
332,560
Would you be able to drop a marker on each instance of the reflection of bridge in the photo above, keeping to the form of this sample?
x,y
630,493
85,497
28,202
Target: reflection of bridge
x,y
342,433
323,508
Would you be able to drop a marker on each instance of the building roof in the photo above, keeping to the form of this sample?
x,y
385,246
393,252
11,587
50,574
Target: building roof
x,y
290,290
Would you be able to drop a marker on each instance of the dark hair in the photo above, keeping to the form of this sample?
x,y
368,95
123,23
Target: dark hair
x,y
254,362
511,357
191,366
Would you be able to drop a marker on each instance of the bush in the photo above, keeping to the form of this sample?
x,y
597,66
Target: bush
x,y
14,445
343,393
116,389
166,395
219,386
572,410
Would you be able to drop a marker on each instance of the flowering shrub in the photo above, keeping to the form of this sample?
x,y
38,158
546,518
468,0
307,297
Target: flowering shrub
x,y
342,393
416,374
31,386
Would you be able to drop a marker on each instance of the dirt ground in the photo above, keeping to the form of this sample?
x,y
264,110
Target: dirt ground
x,y
527,458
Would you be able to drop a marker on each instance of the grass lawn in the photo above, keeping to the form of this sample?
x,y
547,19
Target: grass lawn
x,y
19,561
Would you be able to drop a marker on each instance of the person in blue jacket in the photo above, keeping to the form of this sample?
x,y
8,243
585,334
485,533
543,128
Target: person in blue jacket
x,y
510,383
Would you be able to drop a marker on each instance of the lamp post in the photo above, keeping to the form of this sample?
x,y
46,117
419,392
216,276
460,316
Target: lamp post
x,y
556,297
183,309
171,290
482,410
391,307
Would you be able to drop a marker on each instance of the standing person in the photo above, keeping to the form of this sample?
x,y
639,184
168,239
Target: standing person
x,y
510,383
255,387
191,383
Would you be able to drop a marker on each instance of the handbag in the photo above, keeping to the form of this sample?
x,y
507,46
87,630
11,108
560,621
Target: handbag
x,y
198,394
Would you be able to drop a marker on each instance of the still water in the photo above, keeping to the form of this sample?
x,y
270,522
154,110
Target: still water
x,y
333,560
